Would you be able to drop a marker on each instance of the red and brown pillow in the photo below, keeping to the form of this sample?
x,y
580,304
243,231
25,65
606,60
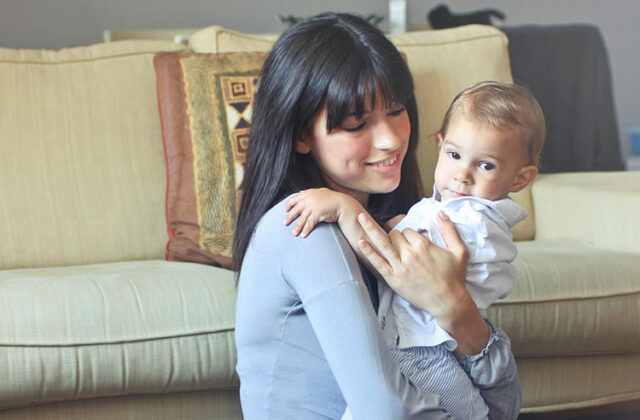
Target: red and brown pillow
x,y
205,111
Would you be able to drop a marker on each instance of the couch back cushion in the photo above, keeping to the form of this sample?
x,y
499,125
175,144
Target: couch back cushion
x,y
82,167
442,62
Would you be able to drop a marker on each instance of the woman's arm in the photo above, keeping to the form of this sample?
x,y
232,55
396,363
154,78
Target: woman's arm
x,y
324,272
431,277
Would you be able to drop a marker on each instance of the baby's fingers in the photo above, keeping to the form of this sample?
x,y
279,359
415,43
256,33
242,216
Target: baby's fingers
x,y
292,202
292,214
304,225
308,226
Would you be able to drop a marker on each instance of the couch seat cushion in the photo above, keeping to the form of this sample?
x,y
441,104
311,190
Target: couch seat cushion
x,y
571,299
114,329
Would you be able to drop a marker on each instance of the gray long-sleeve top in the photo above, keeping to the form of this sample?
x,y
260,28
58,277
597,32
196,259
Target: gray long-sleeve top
x,y
309,342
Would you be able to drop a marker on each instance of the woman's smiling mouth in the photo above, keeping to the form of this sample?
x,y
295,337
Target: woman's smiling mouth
x,y
384,163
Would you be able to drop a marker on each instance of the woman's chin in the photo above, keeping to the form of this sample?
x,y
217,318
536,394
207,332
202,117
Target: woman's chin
x,y
387,187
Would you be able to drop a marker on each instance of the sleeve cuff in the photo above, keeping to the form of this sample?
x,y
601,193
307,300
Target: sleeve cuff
x,y
495,336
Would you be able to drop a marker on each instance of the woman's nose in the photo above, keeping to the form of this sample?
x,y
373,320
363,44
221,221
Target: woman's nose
x,y
386,137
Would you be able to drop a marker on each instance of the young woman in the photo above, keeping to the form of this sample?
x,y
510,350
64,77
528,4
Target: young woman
x,y
335,108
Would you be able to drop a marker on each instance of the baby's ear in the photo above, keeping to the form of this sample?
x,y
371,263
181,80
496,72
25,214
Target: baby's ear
x,y
524,177
439,139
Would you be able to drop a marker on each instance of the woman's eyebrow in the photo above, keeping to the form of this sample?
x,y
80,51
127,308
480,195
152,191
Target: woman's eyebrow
x,y
354,114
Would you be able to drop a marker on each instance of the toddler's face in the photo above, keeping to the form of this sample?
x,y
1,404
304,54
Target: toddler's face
x,y
479,160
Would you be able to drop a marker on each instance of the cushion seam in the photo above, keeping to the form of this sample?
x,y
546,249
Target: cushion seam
x,y
83,60
123,341
453,41
572,298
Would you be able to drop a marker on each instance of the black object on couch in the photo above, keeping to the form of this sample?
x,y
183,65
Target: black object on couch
x,y
567,68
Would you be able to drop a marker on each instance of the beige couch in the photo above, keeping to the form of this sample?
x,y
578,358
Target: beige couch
x,y
95,324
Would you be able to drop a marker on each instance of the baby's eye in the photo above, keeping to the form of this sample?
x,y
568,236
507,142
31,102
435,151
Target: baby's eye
x,y
487,166
453,155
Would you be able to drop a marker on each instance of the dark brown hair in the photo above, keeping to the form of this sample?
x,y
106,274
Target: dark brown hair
x,y
335,59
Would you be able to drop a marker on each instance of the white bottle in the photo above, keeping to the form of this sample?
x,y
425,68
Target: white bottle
x,y
397,16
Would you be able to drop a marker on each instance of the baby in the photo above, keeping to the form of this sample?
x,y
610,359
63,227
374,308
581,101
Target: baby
x,y
489,146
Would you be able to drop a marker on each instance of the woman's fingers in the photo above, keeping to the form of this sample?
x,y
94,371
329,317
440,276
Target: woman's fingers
x,y
452,237
380,264
418,242
378,238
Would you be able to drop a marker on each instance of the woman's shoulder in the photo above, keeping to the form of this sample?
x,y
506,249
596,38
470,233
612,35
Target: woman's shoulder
x,y
272,222
299,259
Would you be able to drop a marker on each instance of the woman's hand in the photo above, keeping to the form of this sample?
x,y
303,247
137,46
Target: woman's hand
x,y
429,277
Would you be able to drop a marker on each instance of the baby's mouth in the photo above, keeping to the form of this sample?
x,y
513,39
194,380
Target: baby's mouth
x,y
457,194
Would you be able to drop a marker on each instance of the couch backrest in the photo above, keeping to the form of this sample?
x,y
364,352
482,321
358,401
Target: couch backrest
x,y
82,165
442,62
82,174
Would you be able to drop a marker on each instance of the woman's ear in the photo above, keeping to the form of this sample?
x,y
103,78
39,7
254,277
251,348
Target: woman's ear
x,y
302,144
524,178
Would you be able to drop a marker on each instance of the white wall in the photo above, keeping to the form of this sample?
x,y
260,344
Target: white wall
x,y
62,23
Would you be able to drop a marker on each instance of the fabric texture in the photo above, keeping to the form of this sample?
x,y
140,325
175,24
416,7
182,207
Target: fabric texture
x,y
115,329
596,208
563,383
81,163
570,299
436,370
484,227
218,404
305,368
442,64
205,108
567,69
217,39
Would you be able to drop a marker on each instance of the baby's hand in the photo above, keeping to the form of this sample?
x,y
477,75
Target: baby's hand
x,y
311,207
391,223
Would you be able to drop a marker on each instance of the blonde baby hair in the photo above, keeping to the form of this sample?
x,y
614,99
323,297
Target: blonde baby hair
x,y
503,105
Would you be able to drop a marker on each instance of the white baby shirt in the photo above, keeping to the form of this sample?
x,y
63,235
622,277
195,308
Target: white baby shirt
x,y
484,227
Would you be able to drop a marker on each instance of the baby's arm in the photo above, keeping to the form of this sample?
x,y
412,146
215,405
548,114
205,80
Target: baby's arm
x,y
316,205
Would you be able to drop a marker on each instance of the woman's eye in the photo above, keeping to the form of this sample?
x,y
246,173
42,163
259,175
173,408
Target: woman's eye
x,y
487,166
453,155
354,128
398,111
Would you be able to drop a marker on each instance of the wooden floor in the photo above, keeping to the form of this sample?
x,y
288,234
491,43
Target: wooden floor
x,y
622,411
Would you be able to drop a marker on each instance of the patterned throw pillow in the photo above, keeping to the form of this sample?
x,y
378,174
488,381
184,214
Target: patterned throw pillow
x,y
205,112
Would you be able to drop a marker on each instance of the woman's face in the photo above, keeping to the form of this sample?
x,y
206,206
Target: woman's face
x,y
363,155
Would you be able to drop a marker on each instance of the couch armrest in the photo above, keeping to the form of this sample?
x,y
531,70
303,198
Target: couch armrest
x,y
599,208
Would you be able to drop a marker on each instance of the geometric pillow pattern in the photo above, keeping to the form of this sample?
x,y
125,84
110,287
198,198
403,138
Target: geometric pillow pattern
x,y
205,103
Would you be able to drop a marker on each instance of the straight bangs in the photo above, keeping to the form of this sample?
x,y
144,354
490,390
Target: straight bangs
x,y
361,83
